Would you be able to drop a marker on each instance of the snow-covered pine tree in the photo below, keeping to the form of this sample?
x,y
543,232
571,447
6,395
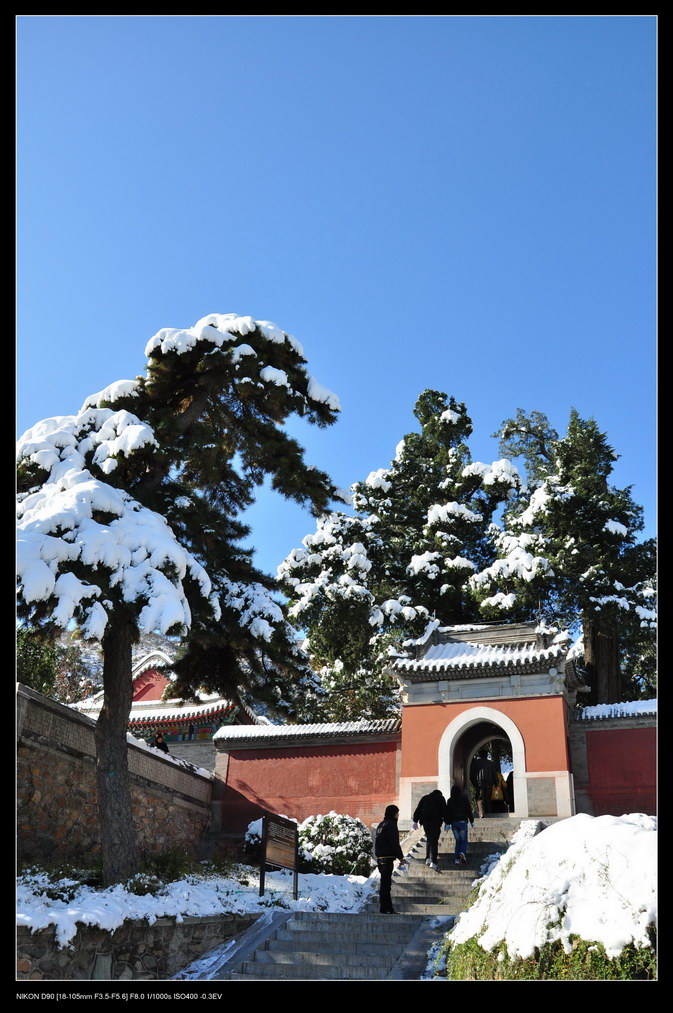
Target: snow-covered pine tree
x,y
127,522
362,584
337,588
568,545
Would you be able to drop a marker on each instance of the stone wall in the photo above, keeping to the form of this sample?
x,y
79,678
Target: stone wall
x,y
56,788
135,951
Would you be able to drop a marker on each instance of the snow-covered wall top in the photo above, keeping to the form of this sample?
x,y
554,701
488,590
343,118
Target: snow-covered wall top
x,y
629,709
278,732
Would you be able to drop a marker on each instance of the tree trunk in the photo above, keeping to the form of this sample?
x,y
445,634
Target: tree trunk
x,y
118,841
601,658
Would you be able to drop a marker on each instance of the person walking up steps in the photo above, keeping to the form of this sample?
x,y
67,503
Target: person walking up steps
x,y
387,849
430,813
458,813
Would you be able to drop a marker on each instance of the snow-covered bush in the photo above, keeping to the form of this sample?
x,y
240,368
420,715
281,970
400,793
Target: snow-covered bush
x,y
337,844
577,900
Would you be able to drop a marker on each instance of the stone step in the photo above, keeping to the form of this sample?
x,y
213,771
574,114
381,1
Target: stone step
x,y
305,972
330,957
364,946
357,923
394,933
287,942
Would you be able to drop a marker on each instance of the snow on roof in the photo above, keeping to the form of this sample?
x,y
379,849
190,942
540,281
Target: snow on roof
x,y
152,711
151,660
158,710
277,732
445,657
628,709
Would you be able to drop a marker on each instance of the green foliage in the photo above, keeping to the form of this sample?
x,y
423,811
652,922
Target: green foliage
x,y
168,866
362,585
36,660
337,844
595,572
586,961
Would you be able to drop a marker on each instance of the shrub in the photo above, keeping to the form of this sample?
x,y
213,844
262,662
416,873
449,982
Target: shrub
x,y
586,961
335,843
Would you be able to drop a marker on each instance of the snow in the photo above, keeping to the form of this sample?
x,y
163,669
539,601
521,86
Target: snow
x,y
118,389
499,471
382,726
443,513
631,708
74,518
317,392
590,877
222,330
271,375
195,896
378,479
615,528
442,657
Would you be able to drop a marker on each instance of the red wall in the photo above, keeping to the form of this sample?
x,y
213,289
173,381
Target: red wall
x,y
622,770
358,780
149,685
541,721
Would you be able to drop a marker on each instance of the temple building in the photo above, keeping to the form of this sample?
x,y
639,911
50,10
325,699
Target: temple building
x,y
513,688
188,727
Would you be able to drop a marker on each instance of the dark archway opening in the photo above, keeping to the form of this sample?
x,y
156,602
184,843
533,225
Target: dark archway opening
x,y
483,734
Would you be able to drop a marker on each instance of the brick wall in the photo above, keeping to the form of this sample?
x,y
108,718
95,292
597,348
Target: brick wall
x,y
56,788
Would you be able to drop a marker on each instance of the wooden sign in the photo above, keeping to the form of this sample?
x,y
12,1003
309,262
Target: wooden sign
x,y
280,847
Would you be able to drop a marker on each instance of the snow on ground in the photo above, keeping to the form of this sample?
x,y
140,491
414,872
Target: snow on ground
x,y
193,896
590,877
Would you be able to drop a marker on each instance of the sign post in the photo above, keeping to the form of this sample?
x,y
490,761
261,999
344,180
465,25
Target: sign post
x,y
280,848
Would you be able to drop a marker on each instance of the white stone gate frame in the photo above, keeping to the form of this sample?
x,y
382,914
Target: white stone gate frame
x,y
454,731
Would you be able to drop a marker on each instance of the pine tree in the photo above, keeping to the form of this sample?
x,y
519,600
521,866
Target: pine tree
x,y
363,584
568,545
128,523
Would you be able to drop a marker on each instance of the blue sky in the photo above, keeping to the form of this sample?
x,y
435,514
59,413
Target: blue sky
x,y
466,203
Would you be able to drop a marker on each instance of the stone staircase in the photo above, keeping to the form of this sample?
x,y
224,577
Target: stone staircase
x,y
422,891
305,946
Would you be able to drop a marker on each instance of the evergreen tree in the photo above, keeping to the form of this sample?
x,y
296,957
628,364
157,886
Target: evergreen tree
x,y
568,545
363,584
127,523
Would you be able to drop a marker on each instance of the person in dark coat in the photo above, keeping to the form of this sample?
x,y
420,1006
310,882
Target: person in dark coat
x,y
483,775
458,813
430,813
510,791
159,743
387,849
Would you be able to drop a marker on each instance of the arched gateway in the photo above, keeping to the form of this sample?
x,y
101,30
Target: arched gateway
x,y
463,686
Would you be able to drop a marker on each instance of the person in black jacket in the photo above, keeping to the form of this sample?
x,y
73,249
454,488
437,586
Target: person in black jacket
x,y
430,813
483,776
458,812
159,743
387,849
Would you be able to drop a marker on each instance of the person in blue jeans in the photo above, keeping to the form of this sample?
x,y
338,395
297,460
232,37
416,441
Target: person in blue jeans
x,y
458,814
